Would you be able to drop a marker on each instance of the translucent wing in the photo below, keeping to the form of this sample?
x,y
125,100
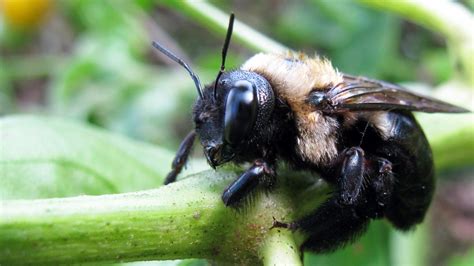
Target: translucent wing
x,y
363,94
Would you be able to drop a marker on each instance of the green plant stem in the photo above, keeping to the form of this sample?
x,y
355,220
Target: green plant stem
x,y
213,18
449,18
281,249
184,220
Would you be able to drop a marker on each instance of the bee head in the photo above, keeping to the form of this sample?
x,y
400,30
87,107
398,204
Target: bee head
x,y
231,113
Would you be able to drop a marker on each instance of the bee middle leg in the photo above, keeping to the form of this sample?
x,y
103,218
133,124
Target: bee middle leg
x,y
260,172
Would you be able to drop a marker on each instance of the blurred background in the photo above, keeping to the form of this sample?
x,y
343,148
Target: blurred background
x,y
91,61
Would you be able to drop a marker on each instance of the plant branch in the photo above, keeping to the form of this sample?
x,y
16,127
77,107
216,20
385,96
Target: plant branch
x,y
215,19
455,149
281,249
184,220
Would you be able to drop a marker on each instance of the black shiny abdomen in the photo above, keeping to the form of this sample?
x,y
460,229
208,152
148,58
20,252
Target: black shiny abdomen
x,y
410,153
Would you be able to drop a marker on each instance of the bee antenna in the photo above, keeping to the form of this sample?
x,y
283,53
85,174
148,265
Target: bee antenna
x,y
224,50
363,133
178,60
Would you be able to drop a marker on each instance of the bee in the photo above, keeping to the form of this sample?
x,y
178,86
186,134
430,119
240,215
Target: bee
x,y
356,133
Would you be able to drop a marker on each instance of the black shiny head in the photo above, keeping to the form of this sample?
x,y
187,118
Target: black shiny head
x,y
231,110
227,122
230,113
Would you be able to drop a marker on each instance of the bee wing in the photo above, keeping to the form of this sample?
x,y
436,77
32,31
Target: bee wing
x,y
363,94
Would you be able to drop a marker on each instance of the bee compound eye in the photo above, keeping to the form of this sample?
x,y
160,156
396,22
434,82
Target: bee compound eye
x,y
240,111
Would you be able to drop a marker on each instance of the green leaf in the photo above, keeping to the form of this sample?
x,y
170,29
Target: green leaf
x,y
48,157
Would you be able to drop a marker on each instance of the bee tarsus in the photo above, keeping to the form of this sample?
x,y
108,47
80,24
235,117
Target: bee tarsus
x,y
260,172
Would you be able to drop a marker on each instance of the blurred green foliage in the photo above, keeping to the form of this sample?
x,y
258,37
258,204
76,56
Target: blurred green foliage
x,y
74,160
92,61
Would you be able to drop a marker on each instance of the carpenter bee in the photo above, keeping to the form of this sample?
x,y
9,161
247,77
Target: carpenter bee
x,y
356,133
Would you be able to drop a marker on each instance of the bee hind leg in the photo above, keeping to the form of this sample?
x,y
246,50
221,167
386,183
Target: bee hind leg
x,y
331,226
381,184
337,221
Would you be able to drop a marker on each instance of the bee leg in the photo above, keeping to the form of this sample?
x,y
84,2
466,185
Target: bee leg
x,y
341,219
351,175
181,157
331,226
260,172
382,185
334,223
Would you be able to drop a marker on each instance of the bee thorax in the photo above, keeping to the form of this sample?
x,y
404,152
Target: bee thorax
x,y
316,141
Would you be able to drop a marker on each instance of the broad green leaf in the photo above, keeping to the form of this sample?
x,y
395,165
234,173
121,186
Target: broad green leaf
x,y
48,157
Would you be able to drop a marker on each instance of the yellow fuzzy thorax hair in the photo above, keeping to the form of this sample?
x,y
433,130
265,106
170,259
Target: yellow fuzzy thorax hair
x,y
293,76
297,69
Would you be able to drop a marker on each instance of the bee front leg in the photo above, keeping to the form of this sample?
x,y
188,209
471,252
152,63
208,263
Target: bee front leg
x,y
260,172
181,157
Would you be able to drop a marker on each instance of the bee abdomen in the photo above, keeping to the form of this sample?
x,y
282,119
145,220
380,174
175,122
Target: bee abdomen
x,y
409,151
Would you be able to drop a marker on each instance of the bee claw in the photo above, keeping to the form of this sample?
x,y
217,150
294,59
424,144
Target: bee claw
x,y
278,224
